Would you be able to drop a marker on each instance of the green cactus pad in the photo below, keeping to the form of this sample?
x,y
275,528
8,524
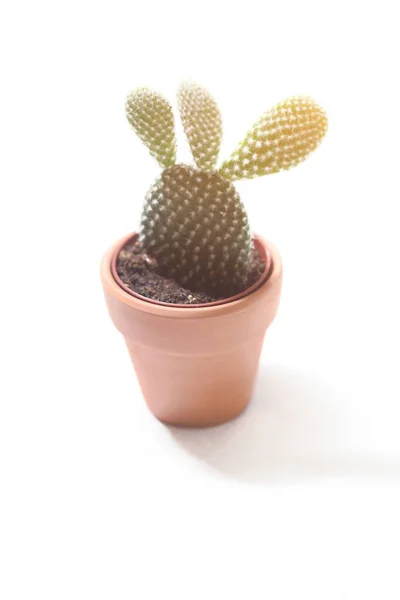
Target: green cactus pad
x,y
195,225
202,123
283,137
152,119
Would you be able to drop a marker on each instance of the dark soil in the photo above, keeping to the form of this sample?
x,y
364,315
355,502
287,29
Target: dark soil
x,y
138,271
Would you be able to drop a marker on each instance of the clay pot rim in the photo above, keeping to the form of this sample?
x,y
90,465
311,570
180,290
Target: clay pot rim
x,y
219,307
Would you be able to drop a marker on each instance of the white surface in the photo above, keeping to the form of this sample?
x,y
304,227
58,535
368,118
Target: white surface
x,y
300,497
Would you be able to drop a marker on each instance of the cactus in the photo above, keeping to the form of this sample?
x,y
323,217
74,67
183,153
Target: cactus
x,y
193,221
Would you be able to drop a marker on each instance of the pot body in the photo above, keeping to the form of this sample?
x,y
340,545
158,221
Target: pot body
x,y
196,365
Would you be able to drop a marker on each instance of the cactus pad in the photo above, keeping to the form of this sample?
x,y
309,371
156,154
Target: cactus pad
x,y
152,119
283,137
202,123
195,225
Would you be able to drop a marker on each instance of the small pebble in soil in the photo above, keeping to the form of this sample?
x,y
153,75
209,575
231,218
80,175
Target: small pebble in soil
x,y
138,271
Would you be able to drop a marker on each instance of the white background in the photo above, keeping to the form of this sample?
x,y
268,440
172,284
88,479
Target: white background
x,y
300,497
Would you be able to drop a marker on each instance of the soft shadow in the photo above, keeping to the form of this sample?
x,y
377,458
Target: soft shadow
x,y
292,430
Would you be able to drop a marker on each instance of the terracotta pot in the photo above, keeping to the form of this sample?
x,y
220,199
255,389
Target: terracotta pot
x,y
196,364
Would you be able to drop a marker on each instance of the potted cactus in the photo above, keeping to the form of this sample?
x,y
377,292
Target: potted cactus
x,y
193,291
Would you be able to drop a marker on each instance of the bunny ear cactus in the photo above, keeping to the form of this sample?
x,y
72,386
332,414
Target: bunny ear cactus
x,y
193,221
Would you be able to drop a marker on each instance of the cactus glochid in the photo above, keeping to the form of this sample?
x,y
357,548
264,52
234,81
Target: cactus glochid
x,y
193,221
